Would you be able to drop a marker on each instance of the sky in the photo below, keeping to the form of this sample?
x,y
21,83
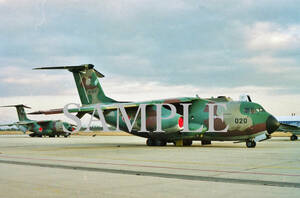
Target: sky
x,y
151,49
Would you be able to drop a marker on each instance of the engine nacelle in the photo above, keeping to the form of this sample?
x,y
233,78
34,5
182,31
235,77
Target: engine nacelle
x,y
59,126
168,125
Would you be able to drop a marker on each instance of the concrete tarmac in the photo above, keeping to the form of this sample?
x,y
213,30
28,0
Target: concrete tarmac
x,y
114,166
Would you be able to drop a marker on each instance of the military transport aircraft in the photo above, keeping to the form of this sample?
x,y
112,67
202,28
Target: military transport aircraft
x,y
39,128
210,119
290,124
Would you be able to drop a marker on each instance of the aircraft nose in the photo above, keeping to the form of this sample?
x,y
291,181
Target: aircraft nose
x,y
272,124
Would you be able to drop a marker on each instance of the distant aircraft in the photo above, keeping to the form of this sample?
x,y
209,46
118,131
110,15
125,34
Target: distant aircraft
x,y
242,121
39,128
290,124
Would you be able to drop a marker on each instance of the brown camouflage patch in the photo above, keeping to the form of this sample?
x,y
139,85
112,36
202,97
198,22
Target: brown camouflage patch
x,y
218,124
171,101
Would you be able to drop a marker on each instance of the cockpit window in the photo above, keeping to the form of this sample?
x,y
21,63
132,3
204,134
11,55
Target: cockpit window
x,y
246,110
253,110
260,110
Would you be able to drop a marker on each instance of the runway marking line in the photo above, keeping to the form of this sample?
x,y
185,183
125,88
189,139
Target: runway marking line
x,y
148,166
203,163
160,175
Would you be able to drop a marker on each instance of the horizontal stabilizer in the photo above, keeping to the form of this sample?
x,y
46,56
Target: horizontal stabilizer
x,y
73,68
19,105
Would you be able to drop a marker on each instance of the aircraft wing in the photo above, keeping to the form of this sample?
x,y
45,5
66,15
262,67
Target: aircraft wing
x,y
18,123
11,124
174,101
288,128
112,106
25,123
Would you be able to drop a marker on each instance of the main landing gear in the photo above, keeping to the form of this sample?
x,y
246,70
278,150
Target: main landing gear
x,y
153,142
250,144
205,142
35,135
187,142
156,142
183,142
294,137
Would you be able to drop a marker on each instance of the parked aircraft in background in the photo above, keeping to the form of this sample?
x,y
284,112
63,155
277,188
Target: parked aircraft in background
x,y
290,124
41,128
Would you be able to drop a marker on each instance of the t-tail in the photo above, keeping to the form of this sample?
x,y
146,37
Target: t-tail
x,y
88,85
21,111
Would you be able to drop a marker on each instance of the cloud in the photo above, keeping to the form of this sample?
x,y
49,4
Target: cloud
x,y
159,45
19,81
36,103
271,36
25,78
120,9
273,65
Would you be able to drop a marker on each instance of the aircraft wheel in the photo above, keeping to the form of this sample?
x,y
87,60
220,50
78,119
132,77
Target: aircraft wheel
x,y
57,135
66,136
32,135
251,144
52,136
205,142
150,142
187,142
294,137
160,143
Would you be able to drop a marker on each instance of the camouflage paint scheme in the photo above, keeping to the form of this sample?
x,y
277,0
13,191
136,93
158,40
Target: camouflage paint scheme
x,y
246,120
49,128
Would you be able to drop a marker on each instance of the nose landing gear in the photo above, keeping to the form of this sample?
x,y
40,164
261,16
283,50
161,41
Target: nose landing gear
x,y
294,137
250,144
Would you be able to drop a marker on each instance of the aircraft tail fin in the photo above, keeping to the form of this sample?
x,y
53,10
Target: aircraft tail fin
x,y
88,86
20,110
